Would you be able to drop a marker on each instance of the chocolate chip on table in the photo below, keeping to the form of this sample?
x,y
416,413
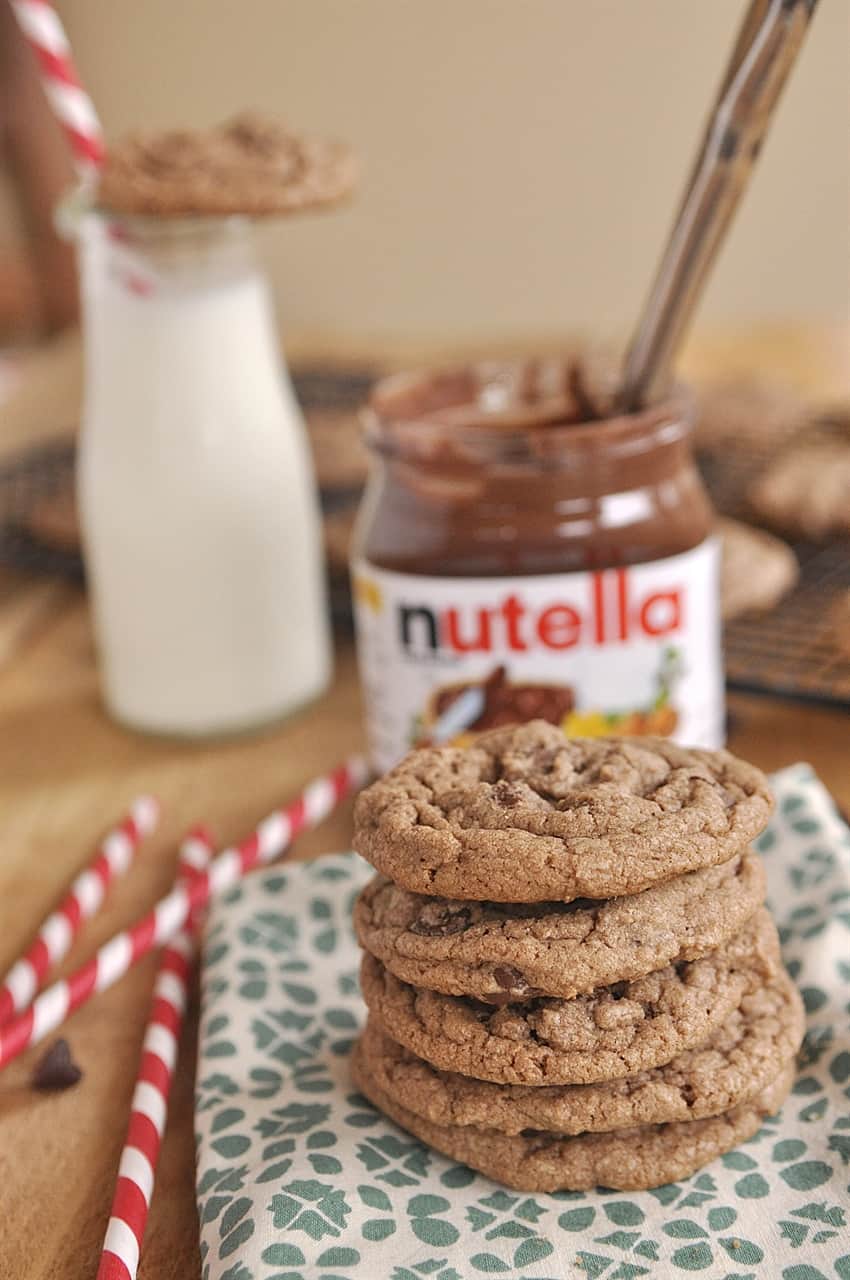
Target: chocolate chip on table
x,y
56,1069
441,920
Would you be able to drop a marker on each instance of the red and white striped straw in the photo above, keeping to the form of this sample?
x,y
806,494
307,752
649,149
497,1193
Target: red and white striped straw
x,y
272,836
54,938
71,104
149,1109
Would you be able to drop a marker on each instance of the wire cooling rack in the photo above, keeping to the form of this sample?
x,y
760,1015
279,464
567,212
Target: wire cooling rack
x,y
793,650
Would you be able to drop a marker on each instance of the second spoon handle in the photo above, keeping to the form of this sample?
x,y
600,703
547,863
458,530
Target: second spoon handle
x,y
764,53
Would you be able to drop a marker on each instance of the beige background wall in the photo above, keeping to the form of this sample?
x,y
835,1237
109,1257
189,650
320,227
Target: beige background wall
x,y
521,158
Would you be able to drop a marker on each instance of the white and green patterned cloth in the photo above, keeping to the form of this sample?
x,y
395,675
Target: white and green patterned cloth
x,y
299,1177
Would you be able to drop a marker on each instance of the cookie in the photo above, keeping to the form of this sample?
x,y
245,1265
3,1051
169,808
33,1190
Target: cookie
x,y
501,951
749,411
248,165
806,491
756,569
735,1065
527,815
628,1160
612,1032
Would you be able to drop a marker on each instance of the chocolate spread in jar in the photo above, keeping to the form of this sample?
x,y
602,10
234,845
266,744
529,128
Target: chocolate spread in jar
x,y
516,560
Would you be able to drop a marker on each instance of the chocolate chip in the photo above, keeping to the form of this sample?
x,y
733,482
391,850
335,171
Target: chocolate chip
x,y
437,920
511,980
56,1069
507,794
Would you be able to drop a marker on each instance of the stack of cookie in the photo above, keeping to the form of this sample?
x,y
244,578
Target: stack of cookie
x,y
571,977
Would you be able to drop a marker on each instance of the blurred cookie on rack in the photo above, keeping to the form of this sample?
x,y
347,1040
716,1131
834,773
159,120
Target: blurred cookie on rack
x,y
805,492
750,411
757,569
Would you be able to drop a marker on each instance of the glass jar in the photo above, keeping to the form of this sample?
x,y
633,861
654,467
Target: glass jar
x,y
511,564
198,506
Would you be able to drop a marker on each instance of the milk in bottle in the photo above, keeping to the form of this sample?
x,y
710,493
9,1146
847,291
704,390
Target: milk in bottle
x,y
198,506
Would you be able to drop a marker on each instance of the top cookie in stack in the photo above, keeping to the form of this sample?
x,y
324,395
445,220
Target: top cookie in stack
x,y
570,974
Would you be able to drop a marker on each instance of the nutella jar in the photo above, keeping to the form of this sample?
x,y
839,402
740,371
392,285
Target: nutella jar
x,y
514,560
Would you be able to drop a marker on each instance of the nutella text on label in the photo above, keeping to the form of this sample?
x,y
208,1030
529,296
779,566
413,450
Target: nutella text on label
x,y
610,612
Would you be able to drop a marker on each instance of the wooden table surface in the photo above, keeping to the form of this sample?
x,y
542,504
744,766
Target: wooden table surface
x,y
67,773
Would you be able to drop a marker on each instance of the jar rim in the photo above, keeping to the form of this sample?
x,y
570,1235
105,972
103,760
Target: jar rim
x,y
495,434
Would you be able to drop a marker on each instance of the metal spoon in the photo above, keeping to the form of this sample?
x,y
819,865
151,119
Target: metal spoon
x,y
767,44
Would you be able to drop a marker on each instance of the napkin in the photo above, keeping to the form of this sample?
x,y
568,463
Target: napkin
x,y
298,1176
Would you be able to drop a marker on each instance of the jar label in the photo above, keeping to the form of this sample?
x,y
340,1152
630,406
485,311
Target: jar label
x,y
620,651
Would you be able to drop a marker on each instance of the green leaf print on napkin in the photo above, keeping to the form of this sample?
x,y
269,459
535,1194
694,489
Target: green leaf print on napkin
x,y
315,1207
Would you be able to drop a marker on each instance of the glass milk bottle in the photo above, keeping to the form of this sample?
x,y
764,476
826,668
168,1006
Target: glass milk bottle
x,y
198,507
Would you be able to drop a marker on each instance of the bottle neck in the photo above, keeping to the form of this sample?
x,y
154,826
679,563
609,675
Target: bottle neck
x,y
152,254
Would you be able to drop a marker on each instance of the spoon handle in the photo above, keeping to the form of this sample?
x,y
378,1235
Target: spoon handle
x,y
764,53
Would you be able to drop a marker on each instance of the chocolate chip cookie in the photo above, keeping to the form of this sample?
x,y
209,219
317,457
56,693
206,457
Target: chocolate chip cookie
x,y
806,491
756,569
629,1160
500,952
749,410
735,1065
612,1032
250,165
527,815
